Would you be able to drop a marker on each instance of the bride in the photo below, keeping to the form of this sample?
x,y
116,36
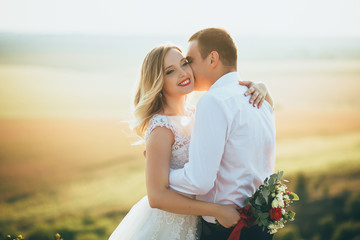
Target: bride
x,y
164,119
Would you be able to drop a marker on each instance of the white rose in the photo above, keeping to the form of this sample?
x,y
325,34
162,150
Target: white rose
x,y
271,225
273,230
279,196
275,203
279,224
283,211
281,203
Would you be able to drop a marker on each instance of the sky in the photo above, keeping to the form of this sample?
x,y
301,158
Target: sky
x,y
304,18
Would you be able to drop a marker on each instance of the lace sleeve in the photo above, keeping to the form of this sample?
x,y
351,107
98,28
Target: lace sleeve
x,y
191,108
160,121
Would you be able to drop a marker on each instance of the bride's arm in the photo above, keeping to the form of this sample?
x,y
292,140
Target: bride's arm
x,y
158,152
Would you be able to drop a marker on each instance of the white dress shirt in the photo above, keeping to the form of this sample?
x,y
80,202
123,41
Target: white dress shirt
x,y
232,147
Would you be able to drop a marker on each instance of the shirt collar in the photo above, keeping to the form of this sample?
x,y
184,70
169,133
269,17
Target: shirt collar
x,y
225,79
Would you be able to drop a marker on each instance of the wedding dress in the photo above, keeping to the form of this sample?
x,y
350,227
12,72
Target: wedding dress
x,y
143,222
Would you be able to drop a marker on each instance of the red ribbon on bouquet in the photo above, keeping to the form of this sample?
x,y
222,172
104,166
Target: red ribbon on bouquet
x,y
246,219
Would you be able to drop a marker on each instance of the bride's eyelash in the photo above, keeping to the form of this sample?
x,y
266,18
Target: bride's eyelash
x,y
168,72
184,64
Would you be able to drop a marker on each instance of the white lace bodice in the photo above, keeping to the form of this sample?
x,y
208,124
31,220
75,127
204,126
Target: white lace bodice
x,y
181,127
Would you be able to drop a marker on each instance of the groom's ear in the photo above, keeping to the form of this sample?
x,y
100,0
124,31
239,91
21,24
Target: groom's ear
x,y
213,59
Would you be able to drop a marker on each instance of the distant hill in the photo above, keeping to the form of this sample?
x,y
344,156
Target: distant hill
x,y
103,52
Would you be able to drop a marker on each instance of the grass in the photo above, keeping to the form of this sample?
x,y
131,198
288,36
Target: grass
x,y
311,154
102,176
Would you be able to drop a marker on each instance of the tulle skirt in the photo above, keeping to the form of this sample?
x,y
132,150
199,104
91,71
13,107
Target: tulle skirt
x,y
143,222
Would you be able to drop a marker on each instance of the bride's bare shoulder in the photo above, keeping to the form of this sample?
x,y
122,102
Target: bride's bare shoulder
x,y
158,128
159,139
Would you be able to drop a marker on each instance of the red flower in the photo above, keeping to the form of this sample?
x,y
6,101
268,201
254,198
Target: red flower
x,y
275,213
247,215
247,218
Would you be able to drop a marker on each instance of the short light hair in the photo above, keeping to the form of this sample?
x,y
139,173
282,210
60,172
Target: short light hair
x,y
219,40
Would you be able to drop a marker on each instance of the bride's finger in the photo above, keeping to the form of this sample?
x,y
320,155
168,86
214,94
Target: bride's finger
x,y
245,83
249,91
261,102
258,99
253,97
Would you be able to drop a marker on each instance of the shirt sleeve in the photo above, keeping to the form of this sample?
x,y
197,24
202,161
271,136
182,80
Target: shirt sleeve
x,y
206,149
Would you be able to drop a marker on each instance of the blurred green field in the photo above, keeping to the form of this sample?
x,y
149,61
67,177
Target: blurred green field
x,y
84,175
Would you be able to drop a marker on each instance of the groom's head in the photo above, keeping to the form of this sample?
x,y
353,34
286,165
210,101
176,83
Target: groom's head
x,y
212,53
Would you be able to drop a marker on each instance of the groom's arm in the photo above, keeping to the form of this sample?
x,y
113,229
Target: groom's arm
x,y
206,149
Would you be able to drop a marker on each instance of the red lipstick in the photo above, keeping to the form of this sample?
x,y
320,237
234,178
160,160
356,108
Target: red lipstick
x,y
184,82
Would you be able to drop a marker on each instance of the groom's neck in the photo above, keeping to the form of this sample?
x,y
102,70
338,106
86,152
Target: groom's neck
x,y
221,72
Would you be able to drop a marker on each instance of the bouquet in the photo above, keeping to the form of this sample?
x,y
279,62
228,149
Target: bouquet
x,y
267,207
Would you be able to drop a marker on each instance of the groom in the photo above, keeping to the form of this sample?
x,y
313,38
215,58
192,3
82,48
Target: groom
x,y
232,148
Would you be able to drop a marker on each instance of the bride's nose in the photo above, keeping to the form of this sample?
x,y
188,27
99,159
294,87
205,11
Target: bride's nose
x,y
182,73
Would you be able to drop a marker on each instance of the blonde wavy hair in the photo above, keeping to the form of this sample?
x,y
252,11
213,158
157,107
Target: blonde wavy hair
x,y
149,99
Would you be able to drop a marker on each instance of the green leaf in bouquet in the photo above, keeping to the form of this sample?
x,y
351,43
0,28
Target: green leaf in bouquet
x,y
274,175
258,201
254,195
261,222
280,175
265,208
265,215
265,193
265,181
268,222
294,196
291,214
273,179
257,207
264,221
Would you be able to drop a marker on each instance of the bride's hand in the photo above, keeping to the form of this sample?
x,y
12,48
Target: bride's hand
x,y
258,91
228,215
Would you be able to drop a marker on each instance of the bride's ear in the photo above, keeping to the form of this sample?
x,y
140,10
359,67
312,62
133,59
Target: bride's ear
x,y
213,59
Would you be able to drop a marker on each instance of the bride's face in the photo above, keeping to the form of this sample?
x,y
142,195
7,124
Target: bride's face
x,y
179,79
